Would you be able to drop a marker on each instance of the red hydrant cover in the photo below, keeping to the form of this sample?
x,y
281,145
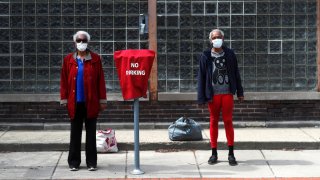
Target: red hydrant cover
x,y
134,68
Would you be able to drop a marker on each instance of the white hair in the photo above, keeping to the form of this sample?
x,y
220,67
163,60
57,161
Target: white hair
x,y
81,32
215,30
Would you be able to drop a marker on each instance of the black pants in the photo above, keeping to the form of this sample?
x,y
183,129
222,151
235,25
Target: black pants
x,y
74,158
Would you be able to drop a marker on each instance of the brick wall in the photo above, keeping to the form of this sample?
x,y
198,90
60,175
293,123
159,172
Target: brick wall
x,y
166,111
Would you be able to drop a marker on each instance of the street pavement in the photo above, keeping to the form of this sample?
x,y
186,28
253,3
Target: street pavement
x,y
182,164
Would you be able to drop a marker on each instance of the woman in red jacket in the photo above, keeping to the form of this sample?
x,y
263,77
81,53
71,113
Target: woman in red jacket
x,y
83,91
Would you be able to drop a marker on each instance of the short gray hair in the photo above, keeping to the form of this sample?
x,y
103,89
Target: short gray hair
x,y
215,30
81,32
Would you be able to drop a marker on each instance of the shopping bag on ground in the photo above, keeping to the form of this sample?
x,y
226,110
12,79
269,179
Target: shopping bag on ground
x,y
185,129
106,141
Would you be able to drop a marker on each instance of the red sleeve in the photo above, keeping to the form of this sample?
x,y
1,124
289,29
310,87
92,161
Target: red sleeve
x,y
64,81
101,84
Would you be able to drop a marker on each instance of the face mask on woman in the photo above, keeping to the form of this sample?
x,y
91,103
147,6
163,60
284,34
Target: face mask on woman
x,y
82,46
217,43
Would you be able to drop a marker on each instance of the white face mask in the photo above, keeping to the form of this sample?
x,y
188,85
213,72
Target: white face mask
x,y
82,46
217,43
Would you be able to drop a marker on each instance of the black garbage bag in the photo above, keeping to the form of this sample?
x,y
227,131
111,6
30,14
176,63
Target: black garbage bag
x,y
185,129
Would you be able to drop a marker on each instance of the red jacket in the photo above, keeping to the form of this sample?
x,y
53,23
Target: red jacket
x,y
94,84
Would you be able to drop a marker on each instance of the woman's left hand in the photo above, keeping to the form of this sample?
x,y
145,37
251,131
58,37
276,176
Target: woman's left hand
x,y
241,99
102,107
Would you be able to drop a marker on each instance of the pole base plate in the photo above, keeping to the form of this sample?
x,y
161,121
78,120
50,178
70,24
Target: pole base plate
x,y
136,172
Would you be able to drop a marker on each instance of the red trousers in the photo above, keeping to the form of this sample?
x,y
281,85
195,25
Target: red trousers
x,y
224,103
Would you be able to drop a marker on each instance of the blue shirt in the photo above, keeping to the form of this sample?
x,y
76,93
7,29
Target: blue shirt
x,y
80,84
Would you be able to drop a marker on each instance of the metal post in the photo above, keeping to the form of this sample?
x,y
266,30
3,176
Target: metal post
x,y
137,169
318,45
152,31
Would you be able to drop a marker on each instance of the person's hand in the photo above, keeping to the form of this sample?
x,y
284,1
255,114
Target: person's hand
x,y
102,107
241,99
202,106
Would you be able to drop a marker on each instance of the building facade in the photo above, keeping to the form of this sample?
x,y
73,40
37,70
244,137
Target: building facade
x,y
275,42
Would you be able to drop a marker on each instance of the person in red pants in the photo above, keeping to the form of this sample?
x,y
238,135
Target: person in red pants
x,y
218,80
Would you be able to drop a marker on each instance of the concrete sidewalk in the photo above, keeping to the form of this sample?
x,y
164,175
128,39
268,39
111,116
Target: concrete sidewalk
x,y
261,153
155,164
157,139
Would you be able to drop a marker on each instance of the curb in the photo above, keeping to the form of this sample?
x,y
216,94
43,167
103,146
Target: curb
x,y
162,125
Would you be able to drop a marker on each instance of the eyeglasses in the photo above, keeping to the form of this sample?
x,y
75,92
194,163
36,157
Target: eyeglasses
x,y
82,40
216,37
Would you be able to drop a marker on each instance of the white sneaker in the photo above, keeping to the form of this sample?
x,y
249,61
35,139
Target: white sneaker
x,y
74,169
92,168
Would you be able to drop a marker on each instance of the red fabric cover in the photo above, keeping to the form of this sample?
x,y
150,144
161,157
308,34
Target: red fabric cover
x,y
134,68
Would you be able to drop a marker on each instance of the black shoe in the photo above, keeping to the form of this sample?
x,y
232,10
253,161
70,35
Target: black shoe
x,y
232,160
73,168
213,159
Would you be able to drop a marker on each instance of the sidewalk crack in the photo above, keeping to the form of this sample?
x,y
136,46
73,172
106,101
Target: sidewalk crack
x,y
195,157
308,134
268,163
5,130
54,170
126,166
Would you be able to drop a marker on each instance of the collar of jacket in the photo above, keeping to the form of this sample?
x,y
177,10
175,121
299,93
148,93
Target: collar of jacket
x,y
87,58
208,51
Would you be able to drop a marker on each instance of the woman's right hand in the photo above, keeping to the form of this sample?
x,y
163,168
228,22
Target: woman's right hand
x,y
202,106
